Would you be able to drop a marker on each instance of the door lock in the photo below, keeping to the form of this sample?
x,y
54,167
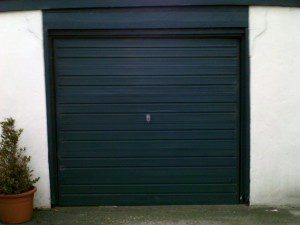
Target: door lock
x,y
148,118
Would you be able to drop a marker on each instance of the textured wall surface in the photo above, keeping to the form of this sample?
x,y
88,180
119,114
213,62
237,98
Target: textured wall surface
x,y
275,105
22,89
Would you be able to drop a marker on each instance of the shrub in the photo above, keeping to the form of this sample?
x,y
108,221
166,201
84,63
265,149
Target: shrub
x,y
15,174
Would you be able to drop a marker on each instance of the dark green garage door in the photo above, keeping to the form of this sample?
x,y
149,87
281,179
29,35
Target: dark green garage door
x,y
147,120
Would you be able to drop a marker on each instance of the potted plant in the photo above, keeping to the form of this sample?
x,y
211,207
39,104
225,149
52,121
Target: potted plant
x,y
16,182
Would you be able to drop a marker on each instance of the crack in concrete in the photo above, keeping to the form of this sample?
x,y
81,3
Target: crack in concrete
x,y
31,31
265,27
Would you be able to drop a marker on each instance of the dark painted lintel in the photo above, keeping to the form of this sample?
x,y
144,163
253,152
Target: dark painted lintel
x,y
149,18
17,5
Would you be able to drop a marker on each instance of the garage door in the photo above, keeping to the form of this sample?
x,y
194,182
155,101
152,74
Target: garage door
x,y
147,120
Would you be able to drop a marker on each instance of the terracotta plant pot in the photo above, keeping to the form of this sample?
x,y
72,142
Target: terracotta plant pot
x,y
17,208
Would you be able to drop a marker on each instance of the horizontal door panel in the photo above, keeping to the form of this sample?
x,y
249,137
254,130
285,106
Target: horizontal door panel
x,y
145,80
146,94
149,189
203,125
143,52
147,108
148,162
156,118
167,148
136,98
75,151
148,90
187,124
141,62
145,135
147,70
146,42
146,175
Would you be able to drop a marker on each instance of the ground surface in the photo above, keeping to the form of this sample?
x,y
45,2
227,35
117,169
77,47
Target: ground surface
x,y
165,215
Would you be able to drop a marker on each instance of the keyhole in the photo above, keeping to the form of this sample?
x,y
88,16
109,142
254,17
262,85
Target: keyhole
x,y
148,118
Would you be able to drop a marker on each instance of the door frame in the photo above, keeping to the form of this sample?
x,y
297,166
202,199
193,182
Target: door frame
x,y
240,34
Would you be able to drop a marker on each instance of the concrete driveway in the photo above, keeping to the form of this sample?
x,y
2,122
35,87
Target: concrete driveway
x,y
146,215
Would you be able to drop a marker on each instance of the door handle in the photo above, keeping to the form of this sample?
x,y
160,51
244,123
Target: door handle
x,y
148,118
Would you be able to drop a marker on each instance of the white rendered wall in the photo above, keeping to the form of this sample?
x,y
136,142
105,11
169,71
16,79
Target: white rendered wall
x,y
275,105
22,89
